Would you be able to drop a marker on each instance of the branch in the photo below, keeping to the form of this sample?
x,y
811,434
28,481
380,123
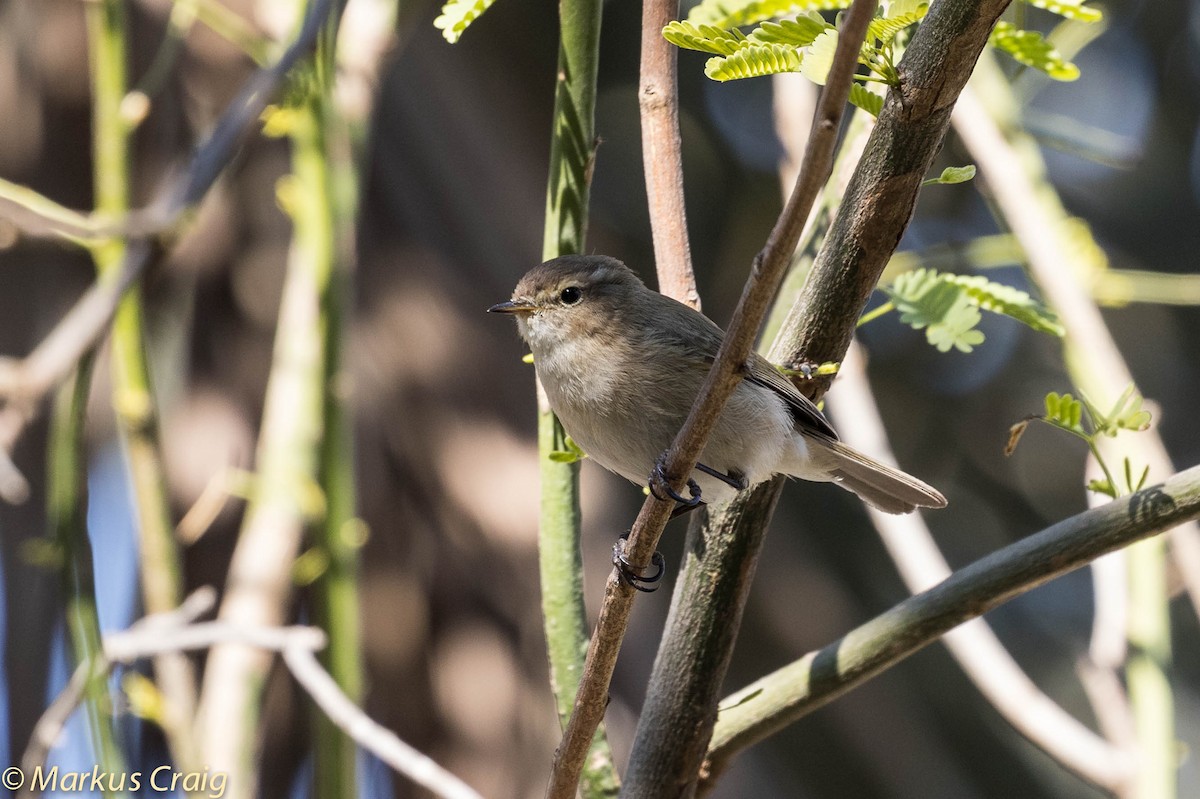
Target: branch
x,y
780,698
24,383
765,276
560,558
883,192
49,727
721,558
373,737
177,632
976,648
662,154
1015,174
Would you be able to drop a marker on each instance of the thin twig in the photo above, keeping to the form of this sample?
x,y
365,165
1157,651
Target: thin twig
x,y
49,727
765,276
177,631
24,383
662,154
773,702
976,648
367,733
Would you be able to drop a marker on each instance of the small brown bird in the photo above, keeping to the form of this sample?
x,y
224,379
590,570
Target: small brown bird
x,y
622,364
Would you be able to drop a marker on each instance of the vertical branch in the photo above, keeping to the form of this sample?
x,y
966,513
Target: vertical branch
x,y
766,274
662,154
67,514
1010,163
572,150
288,500
340,534
133,397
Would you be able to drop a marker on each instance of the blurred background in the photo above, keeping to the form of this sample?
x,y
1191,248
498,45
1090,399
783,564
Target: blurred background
x,y
451,216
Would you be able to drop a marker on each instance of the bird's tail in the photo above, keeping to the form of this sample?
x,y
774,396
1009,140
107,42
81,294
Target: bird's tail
x,y
879,485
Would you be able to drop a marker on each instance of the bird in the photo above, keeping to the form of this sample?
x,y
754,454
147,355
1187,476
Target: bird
x,y
621,365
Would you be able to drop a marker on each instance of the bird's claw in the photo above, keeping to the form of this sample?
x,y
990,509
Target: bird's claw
x,y
631,575
659,482
735,480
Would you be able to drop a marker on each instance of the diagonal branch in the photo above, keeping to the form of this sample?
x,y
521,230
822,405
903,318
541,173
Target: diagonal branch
x,y
974,645
721,557
780,698
765,276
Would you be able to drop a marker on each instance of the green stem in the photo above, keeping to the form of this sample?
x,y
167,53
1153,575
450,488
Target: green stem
x,y
67,513
133,398
572,147
1147,670
875,313
322,158
288,500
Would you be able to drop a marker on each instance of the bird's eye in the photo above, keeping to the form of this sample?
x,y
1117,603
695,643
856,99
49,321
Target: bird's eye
x,y
571,295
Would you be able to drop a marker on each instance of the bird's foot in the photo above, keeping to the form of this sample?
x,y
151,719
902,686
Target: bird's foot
x,y
630,574
660,485
735,480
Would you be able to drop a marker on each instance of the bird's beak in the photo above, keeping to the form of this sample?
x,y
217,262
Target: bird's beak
x,y
513,306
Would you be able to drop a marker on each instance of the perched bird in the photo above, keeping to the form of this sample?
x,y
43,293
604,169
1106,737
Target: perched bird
x,y
622,364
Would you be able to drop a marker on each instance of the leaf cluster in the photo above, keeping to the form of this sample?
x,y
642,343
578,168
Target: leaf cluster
x,y
805,42
1080,417
947,307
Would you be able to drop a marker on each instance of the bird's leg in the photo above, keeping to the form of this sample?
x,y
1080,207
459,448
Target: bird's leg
x,y
735,480
631,575
659,481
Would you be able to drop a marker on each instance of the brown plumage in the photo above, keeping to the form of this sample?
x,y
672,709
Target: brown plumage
x,y
621,365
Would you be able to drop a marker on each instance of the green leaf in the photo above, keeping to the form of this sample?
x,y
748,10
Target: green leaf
x,y
1008,301
1064,411
570,453
956,328
457,15
819,57
1030,49
754,61
884,29
799,32
731,13
1102,487
940,307
1128,413
1071,9
951,175
705,38
866,99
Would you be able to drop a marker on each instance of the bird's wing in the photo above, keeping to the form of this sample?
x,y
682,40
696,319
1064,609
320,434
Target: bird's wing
x,y
806,414
705,339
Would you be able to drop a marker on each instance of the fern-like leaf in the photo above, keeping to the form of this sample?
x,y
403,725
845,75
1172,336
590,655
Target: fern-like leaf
x,y
819,58
1006,300
732,13
705,38
754,61
457,15
866,99
1030,49
1071,9
942,309
884,29
798,32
